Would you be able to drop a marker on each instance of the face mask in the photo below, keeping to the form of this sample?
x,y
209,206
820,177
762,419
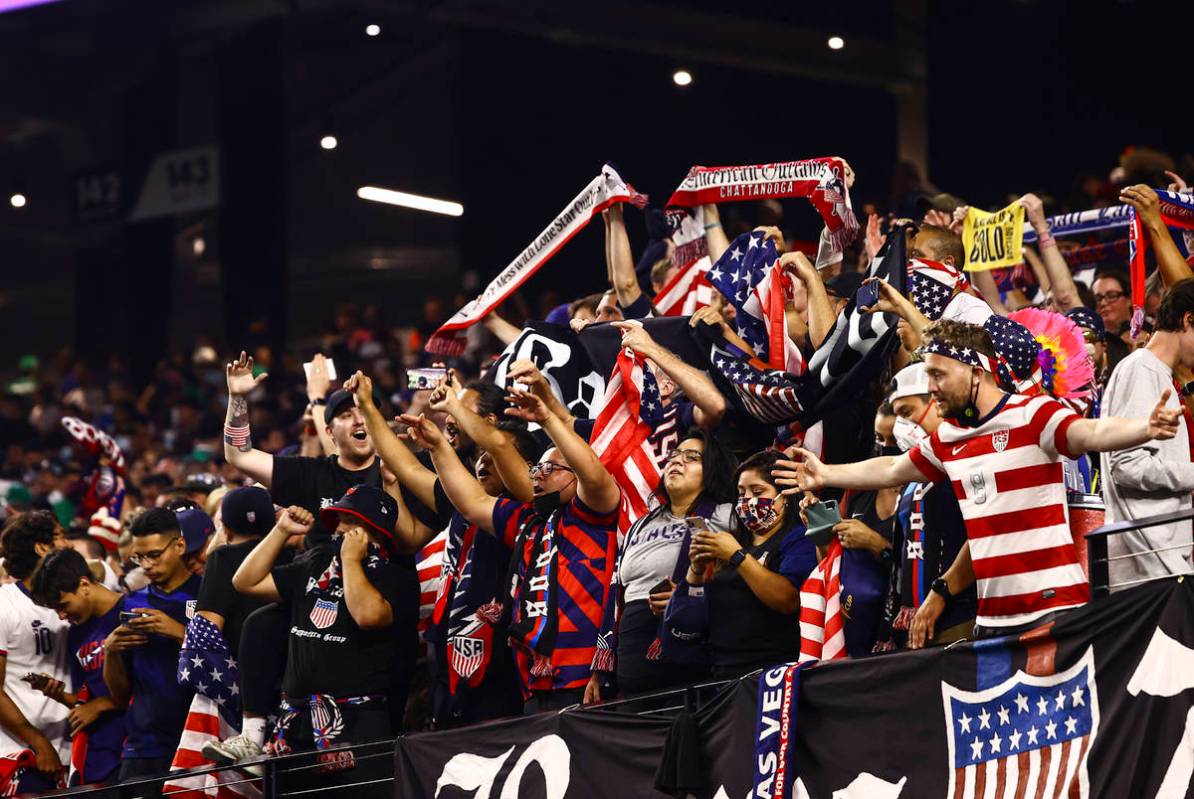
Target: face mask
x,y
757,513
546,504
908,434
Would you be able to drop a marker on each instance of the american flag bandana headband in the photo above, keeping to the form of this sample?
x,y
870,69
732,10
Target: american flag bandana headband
x,y
996,366
602,192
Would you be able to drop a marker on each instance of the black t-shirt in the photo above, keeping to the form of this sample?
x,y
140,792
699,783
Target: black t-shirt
x,y
315,483
217,595
328,653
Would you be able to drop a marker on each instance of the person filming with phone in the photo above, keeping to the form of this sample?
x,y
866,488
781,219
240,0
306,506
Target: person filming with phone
x,y
695,494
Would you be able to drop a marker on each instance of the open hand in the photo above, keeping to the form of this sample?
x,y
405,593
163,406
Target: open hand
x,y
1163,422
874,238
422,431
240,375
635,336
921,630
318,383
1145,201
808,475
526,406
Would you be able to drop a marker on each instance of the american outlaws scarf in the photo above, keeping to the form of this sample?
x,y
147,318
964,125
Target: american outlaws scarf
x,y
603,191
1177,210
775,740
821,180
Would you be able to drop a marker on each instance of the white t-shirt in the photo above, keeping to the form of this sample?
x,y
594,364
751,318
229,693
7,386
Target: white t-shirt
x,y
33,639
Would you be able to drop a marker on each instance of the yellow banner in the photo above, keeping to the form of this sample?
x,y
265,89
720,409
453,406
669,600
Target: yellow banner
x,y
993,239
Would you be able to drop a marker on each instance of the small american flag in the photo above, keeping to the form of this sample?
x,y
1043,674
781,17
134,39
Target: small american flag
x,y
822,625
1028,736
772,396
751,279
429,563
621,435
206,664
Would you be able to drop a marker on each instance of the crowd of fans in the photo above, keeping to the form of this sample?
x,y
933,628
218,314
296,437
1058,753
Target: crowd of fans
x,y
259,510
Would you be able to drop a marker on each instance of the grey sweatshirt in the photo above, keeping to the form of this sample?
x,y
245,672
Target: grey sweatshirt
x,y
1153,478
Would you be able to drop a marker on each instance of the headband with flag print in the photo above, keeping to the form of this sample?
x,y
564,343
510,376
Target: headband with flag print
x,y
996,366
602,192
1015,365
821,180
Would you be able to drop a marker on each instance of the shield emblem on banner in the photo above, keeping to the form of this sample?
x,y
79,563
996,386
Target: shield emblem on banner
x,y
323,615
999,440
467,654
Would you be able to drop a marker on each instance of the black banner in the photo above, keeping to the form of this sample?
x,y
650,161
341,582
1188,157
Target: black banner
x,y
1099,704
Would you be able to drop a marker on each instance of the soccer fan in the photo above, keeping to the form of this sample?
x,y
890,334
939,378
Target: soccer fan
x,y
141,655
697,483
1154,477
750,578
350,605
32,642
64,584
568,528
1002,452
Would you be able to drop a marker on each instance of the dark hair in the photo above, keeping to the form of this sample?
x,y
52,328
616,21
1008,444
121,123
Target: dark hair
x,y
528,446
1115,274
590,302
59,574
960,335
945,243
491,398
717,466
154,521
20,538
1177,302
95,550
763,462
885,409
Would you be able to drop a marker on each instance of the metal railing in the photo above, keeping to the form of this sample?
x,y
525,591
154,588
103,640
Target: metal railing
x,y
1099,562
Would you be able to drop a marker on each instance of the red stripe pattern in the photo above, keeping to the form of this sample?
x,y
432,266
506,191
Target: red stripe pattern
x,y
822,625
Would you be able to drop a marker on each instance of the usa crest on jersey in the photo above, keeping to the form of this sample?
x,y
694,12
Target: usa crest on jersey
x,y
323,615
999,440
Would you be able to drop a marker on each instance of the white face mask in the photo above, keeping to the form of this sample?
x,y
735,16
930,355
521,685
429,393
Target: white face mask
x,y
908,434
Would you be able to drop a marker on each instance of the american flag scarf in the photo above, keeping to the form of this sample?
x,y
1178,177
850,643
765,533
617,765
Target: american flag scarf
x,y
1177,210
748,274
689,289
601,192
771,396
822,625
621,436
821,180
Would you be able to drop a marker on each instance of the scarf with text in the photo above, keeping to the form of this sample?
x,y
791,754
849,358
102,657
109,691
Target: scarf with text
x,y
775,740
821,180
1177,210
603,191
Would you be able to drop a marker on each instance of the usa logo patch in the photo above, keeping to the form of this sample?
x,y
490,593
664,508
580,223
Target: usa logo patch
x,y
323,615
467,655
999,440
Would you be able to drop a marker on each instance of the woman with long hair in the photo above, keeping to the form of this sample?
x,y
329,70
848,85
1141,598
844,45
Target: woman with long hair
x,y
695,492
750,578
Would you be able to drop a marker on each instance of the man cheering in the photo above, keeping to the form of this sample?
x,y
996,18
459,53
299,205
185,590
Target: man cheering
x,y
1002,453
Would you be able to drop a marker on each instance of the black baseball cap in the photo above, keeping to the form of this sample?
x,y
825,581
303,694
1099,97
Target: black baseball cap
x,y
372,506
248,511
342,399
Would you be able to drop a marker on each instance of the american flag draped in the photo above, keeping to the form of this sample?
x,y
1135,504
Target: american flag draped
x,y
689,289
621,436
206,664
822,625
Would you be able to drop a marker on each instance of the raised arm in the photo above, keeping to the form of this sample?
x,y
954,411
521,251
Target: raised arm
x,y
411,533
869,475
525,372
394,454
619,258
511,468
891,301
594,485
710,405
1172,265
464,492
253,578
1061,279
318,384
1115,433
821,317
238,445
716,239
503,330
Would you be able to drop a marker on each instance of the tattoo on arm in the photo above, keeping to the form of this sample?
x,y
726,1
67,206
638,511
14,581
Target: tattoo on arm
x,y
238,416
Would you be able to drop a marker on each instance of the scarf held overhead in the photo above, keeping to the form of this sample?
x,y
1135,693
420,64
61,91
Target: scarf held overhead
x,y
1177,210
603,191
821,180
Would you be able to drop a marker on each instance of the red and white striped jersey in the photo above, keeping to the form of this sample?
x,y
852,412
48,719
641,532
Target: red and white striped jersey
x,y
1008,477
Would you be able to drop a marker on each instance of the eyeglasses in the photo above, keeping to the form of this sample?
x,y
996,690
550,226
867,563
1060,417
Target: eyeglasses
x,y
687,455
1110,296
152,556
547,469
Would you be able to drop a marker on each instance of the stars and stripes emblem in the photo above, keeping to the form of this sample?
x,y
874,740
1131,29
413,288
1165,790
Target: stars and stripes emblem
x,y
769,395
1028,736
323,615
467,655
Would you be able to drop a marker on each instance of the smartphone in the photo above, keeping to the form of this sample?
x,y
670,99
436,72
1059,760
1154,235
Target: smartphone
x,y
425,379
868,295
661,586
127,615
331,368
696,524
38,681
822,517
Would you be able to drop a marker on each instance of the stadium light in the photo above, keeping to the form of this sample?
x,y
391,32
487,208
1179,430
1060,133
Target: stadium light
x,y
836,42
415,201
372,30
329,142
682,77
17,200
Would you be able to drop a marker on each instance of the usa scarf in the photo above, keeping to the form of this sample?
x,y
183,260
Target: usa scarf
x,y
821,180
603,191
1177,210
775,740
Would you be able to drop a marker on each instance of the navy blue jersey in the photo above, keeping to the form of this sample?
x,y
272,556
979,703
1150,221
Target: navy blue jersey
x,y
105,736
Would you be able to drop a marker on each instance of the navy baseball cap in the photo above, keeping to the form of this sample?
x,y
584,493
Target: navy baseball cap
x,y
372,506
1084,317
196,526
248,511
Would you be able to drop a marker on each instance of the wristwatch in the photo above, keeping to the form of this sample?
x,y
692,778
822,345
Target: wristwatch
x,y
941,587
317,401
736,559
